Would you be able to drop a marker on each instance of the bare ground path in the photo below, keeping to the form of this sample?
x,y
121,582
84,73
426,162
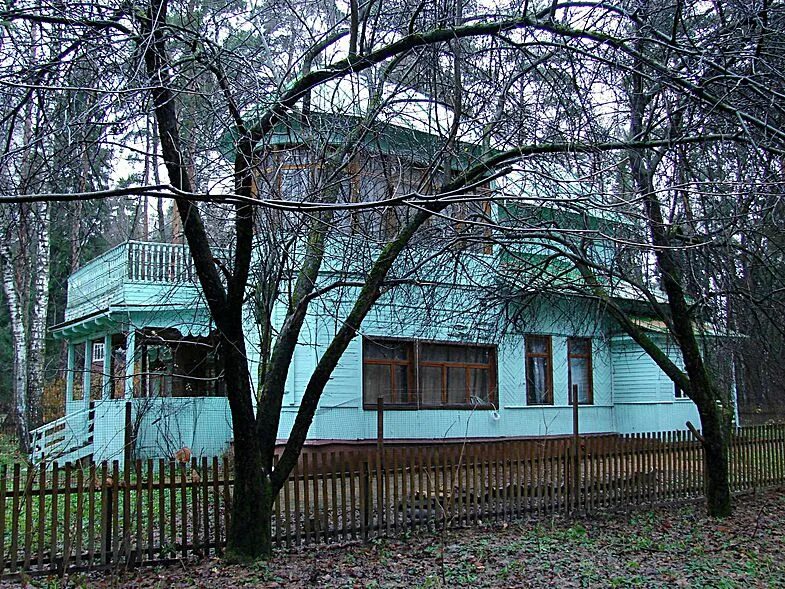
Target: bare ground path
x,y
673,547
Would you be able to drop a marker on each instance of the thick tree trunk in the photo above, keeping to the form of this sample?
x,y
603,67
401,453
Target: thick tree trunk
x,y
715,446
250,533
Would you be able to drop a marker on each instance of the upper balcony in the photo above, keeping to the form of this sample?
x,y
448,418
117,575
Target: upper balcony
x,y
134,273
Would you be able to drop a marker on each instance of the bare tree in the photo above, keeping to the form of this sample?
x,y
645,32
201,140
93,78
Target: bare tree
x,y
497,85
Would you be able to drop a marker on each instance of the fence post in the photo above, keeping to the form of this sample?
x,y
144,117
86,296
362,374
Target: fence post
x,y
576,451
128,438
365,493
109,510
380,466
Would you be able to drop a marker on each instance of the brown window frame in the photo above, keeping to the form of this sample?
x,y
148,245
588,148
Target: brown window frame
x,y
392,363
414,363
548,355
588,356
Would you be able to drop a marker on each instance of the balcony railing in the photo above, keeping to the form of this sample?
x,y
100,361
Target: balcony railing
x,y
166,263
96,285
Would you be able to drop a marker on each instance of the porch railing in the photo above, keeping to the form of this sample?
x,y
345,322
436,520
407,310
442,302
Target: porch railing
x,y
66,439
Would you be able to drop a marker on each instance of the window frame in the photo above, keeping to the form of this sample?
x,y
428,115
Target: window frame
x,y
548,355
588,357
411,372
414,392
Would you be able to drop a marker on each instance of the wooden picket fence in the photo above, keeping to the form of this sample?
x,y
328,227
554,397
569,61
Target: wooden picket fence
x,y
56,519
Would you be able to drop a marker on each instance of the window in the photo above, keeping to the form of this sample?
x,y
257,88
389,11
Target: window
x,y
388,371
428,375
539,376
97,371
455,375
78,371
579,369
98,351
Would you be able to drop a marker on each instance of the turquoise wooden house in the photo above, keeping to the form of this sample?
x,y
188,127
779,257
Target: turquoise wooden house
x,y
449,361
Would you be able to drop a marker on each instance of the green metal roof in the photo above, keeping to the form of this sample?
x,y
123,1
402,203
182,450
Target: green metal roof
x,y
320,129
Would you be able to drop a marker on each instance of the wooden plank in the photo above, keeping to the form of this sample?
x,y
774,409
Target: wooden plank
x,y
205,496
325,507
351,472
138,488
3,485
161,506
54,540
227,501
42,517
391,487
183,513
150,499
172,488
91,507
380,496
405,465
334,497
344,526
196,520
116,532
67,518
553,470
296,478
13,553
364,499
418,486
477,485
217,508
106,515
306,499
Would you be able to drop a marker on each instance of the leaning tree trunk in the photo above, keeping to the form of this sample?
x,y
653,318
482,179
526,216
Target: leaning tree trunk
x,y
19,337
40,304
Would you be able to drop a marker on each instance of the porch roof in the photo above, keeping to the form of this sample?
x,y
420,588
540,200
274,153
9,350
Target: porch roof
x,y
190,321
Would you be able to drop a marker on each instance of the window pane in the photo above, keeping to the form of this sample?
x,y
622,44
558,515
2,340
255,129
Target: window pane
x,y
385,350
438,353
456,385
479,388
97,371
431,385
580,346
401,393
376,382
452,353
536,344
78,375
579,376
537,381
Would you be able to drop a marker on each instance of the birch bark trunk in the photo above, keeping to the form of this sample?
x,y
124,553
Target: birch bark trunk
x,y
38,312
19,338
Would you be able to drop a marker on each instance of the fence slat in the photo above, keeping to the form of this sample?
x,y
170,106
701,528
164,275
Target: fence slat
x,y
217,508
196,520
3,483
67,518
41,516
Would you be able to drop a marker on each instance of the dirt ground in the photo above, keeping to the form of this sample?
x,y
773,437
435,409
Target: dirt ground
x,y
674,547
